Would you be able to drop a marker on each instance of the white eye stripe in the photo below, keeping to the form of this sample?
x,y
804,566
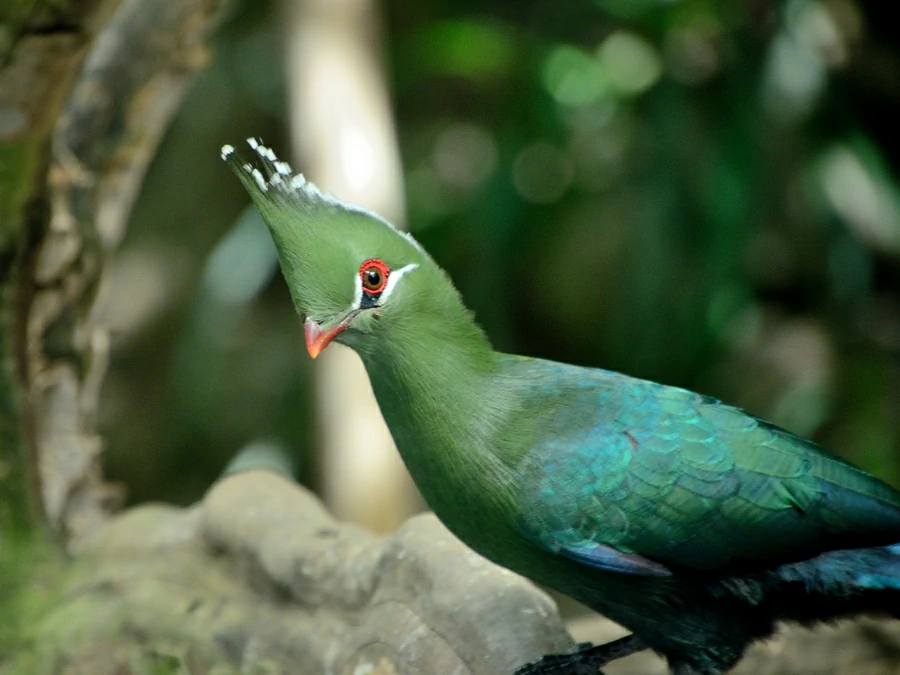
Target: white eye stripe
x,y
357,291
392,280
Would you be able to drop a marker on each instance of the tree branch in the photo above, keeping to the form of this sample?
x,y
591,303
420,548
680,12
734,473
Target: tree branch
x,y
60,219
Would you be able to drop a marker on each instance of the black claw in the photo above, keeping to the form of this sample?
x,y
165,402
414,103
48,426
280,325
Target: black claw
x,y
558,664
585,660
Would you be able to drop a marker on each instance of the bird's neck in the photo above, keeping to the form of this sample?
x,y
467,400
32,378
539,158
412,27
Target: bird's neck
x,y
441,391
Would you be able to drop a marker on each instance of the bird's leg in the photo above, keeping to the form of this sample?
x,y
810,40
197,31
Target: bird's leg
x,y
586,660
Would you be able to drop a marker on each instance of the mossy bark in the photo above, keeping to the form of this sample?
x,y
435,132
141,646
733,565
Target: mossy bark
x,y
87,88
86,91
259,578
42,47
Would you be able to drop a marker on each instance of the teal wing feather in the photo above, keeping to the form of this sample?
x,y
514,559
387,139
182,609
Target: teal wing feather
x,y
672,478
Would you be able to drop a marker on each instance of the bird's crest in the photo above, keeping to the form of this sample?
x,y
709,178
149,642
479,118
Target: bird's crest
x,y
274,185
271,180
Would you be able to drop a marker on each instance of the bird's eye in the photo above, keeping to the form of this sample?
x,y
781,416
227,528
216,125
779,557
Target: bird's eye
x,y
374,275
372,279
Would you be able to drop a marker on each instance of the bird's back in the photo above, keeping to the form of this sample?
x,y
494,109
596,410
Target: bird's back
x,y
685,480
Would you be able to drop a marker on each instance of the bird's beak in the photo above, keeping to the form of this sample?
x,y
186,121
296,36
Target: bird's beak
x,y
317,337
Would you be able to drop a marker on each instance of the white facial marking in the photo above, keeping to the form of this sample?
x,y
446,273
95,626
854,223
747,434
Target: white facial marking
x,y
357,291
392,281
393,278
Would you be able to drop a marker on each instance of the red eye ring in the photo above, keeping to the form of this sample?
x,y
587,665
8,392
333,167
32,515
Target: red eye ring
x,y
374,275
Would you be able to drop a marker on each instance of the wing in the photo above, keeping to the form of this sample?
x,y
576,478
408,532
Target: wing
x,y
635,477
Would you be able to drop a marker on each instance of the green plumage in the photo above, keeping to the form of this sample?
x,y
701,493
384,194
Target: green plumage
x,y
686,481
688,521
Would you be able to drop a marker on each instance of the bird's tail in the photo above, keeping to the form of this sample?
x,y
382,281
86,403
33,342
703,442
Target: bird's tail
x,y
884,572
841,583
847,570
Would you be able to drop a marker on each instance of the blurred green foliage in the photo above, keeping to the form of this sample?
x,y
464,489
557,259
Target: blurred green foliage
x,y
32,557
701,193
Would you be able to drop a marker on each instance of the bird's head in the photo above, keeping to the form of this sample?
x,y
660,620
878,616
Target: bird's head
x,y
350,273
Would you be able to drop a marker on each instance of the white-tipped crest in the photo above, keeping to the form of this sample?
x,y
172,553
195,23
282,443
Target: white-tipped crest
x,y
276,179
275,174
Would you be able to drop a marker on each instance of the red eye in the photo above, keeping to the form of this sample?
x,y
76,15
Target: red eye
x,y
374,275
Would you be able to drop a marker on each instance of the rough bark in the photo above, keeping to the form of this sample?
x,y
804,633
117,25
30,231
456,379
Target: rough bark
x,y
41,50
258,578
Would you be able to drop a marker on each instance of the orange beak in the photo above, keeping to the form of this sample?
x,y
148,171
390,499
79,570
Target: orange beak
x,y
317,339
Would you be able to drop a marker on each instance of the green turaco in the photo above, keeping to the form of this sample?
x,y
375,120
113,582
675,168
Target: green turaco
x,y
689,522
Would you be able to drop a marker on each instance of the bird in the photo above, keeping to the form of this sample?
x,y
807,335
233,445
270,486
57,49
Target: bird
x,y
696,526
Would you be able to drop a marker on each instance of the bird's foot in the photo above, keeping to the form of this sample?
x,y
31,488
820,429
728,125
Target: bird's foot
x,y
585,660
562,664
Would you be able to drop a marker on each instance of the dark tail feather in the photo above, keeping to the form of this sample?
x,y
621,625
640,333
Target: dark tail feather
x,y
841,583
847,570
885,573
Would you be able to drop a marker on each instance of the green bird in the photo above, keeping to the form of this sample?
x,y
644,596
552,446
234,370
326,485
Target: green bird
x,y
690,522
